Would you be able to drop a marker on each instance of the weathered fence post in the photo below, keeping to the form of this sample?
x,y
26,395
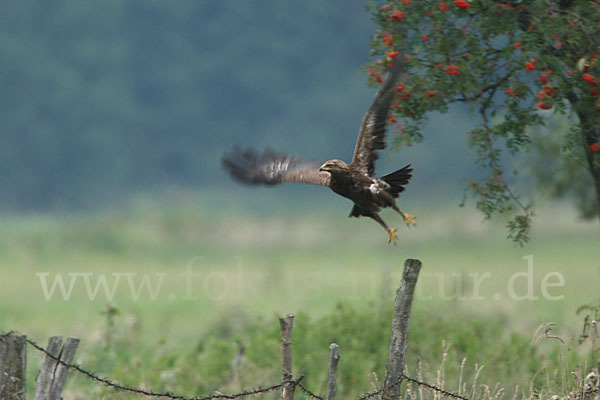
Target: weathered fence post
x,y
334,357
287,324
53,374
399,340
13,365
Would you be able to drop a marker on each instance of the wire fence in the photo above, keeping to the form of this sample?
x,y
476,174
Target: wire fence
x,y
296,383
16,344
150,393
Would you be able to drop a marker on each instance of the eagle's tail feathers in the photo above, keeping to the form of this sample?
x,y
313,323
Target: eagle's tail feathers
x,y
397,180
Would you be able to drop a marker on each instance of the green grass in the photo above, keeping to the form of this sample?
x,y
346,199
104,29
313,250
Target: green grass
x,y
253,268
478,352
284,264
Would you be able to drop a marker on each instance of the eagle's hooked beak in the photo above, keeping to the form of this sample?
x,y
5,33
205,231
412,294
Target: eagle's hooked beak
x,y
324,167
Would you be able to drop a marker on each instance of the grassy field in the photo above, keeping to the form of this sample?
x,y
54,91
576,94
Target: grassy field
x,y
214,277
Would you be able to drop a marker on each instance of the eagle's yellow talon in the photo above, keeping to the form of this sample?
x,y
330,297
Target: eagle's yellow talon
x,y
392,236
409,220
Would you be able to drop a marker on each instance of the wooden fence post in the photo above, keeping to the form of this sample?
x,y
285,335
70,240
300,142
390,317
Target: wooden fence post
x,y
53,373
334,357
399,340
287,324
13,365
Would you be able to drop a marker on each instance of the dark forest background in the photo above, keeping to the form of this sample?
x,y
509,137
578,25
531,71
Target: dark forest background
x,y
105,100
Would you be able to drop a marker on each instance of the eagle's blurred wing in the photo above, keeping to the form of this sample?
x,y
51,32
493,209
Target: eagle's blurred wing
x,y
371,136
271,168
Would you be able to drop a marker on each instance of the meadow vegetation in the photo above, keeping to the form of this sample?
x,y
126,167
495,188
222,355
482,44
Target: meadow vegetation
x,y
225,336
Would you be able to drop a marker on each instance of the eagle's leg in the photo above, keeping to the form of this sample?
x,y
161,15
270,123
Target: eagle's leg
x,y
408,219
391,232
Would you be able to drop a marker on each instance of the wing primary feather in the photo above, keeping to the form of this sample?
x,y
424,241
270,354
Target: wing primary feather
x,y
271,168
371,136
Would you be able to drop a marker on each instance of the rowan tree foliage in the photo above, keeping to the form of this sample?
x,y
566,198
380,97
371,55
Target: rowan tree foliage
x,y
516,63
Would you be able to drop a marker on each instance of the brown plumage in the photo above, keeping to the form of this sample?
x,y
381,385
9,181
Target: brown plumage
x,y
354,181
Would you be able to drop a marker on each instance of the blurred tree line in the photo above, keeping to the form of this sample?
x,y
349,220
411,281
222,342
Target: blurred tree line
x,y
104,99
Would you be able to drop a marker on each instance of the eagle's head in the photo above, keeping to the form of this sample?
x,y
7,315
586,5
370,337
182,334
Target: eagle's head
x,y
334,166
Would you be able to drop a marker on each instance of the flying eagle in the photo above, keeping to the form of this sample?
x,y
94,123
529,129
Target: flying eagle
x,y
354,181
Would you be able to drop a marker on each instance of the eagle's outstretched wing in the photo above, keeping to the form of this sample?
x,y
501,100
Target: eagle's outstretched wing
x,y
271,168
371,136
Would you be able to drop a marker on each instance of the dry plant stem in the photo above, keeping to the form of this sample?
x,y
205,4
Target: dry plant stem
x,y
474,387
460,375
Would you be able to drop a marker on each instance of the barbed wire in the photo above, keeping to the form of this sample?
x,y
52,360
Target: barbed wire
x,y
370,395
308,392
151,393
435,388
245,393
